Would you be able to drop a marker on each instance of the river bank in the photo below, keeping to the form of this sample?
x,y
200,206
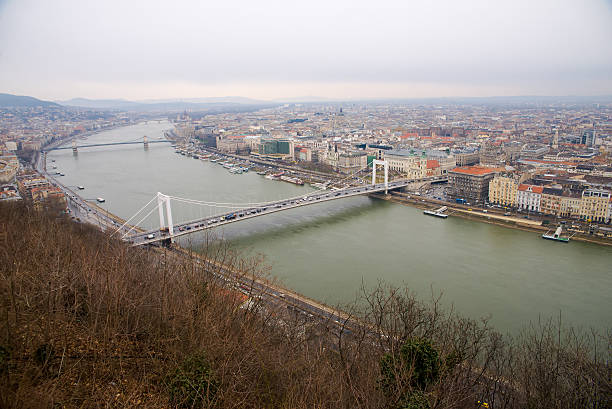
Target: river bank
x,y
328,250
489,216
254,285
478,215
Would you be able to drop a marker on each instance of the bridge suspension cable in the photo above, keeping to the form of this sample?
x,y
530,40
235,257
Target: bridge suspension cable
x,y
135,214
141,220
223,205
217,204
346,177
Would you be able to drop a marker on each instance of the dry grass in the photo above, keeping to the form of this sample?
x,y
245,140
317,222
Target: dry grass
x,y
86,321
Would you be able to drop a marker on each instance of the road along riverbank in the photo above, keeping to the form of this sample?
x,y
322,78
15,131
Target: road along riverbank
x,y
478,215
328,251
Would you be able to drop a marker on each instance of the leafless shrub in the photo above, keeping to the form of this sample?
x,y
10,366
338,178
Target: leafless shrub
x,y
86,321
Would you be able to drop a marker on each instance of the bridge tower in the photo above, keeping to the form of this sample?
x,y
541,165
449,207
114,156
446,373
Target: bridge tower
x,y
385,164
163,200
145,142
74,147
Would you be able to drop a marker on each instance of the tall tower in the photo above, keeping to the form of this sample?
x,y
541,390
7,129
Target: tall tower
x,y
588,137
555,143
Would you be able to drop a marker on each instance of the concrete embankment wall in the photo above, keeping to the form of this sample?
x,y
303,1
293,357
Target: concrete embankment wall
x,y
477,215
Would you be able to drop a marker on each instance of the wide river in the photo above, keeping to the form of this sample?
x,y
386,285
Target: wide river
x,y
326,251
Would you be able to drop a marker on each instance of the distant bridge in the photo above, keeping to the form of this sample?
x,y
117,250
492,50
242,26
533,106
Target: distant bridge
x,y
169,231
144,141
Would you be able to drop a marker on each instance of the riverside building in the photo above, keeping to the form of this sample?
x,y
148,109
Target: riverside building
x,y
471,183
503,191
595,206
529,197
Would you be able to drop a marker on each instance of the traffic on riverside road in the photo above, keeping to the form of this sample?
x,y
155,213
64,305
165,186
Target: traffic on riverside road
x,y
177,230
86,211
82,209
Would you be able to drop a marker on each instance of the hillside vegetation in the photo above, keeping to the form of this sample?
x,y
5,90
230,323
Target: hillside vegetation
x,y
8,100
86,322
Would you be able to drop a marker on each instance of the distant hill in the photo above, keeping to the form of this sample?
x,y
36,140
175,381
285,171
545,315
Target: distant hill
x,y
99,103
306,99
518,100
9,100
195,104
210,100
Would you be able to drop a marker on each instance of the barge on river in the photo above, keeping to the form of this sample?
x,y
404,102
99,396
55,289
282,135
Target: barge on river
x,y
556,236
437,213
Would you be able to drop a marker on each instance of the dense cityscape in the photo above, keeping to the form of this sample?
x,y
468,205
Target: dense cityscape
x,y
543,168
346,204
546,162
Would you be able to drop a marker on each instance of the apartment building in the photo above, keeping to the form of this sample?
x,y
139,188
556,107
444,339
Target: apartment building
x,y
346,162
231,144
466,157
550,203
529,197
595,206
471,183
503,191
9,165
408,162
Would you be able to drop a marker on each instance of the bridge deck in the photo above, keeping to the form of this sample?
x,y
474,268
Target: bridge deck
x,y
205,223
105,144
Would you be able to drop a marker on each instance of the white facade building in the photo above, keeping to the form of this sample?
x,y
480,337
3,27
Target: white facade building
x,y
528,197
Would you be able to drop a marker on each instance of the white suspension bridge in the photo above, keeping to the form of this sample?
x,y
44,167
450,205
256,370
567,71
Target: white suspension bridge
x,y
233,212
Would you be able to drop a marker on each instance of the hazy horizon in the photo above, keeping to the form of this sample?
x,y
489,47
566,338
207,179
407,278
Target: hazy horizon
x,y
271,50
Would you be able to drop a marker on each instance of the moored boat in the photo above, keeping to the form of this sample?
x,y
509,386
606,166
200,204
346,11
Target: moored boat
x,y
290,179
556,236
436,214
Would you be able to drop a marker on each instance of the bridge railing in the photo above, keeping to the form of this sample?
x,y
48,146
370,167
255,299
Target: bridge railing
x,y
237,208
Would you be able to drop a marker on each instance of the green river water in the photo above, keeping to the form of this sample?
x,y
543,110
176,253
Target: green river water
x,y
326,251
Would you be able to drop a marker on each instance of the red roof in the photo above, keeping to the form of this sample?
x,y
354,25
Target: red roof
x,y
432,164
476,170
551,162
534,189
410,135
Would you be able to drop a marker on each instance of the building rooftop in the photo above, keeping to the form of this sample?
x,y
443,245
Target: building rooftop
x,y
535,189
432,164
477,170
404,152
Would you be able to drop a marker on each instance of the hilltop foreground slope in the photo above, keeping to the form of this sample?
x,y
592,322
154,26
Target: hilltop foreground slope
x,y
86,321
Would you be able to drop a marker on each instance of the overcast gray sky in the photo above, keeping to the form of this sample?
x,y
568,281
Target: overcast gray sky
x,y
147,49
